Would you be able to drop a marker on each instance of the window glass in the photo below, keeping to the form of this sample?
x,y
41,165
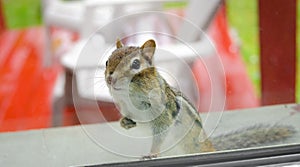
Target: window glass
x,y
94,82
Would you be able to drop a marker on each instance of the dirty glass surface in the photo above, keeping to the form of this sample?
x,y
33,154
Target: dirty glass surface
x,y
59,109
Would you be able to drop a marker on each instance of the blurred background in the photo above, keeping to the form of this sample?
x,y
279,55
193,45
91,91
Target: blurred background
x,y
38,41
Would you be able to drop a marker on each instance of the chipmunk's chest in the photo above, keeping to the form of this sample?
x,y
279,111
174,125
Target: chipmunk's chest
x,y
132,102
141,103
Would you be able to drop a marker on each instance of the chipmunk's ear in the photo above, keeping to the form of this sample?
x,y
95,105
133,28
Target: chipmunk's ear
x,y
148,49
119,44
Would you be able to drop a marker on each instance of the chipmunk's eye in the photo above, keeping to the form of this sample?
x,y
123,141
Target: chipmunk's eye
x,y
106,63
135,64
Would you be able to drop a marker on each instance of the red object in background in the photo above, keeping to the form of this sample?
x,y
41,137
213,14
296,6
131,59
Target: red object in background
x,y
25,86
239,89
277,21
90,114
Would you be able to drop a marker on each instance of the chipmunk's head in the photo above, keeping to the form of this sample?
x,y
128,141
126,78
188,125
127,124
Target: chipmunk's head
x,y
126,61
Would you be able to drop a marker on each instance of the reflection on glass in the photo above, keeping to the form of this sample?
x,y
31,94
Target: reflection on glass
x,y
212,59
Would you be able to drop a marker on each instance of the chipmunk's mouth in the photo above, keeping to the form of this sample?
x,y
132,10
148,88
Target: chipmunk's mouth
x,y
116,88
118,85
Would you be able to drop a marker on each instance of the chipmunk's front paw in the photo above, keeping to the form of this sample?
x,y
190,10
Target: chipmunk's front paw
x,y
127,123
150,156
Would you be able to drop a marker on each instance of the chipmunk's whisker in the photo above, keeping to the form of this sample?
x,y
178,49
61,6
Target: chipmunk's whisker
x,y
92,85
95,77
99,77
102,84
99,81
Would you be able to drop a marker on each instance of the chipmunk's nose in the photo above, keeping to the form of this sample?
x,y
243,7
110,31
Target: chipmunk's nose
x,y
110,80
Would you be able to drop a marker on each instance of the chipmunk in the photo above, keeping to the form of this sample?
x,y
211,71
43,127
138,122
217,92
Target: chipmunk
x,y
144,97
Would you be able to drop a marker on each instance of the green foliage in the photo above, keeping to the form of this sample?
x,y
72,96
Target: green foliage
x,y
243,17
298,52
22,13
172,5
